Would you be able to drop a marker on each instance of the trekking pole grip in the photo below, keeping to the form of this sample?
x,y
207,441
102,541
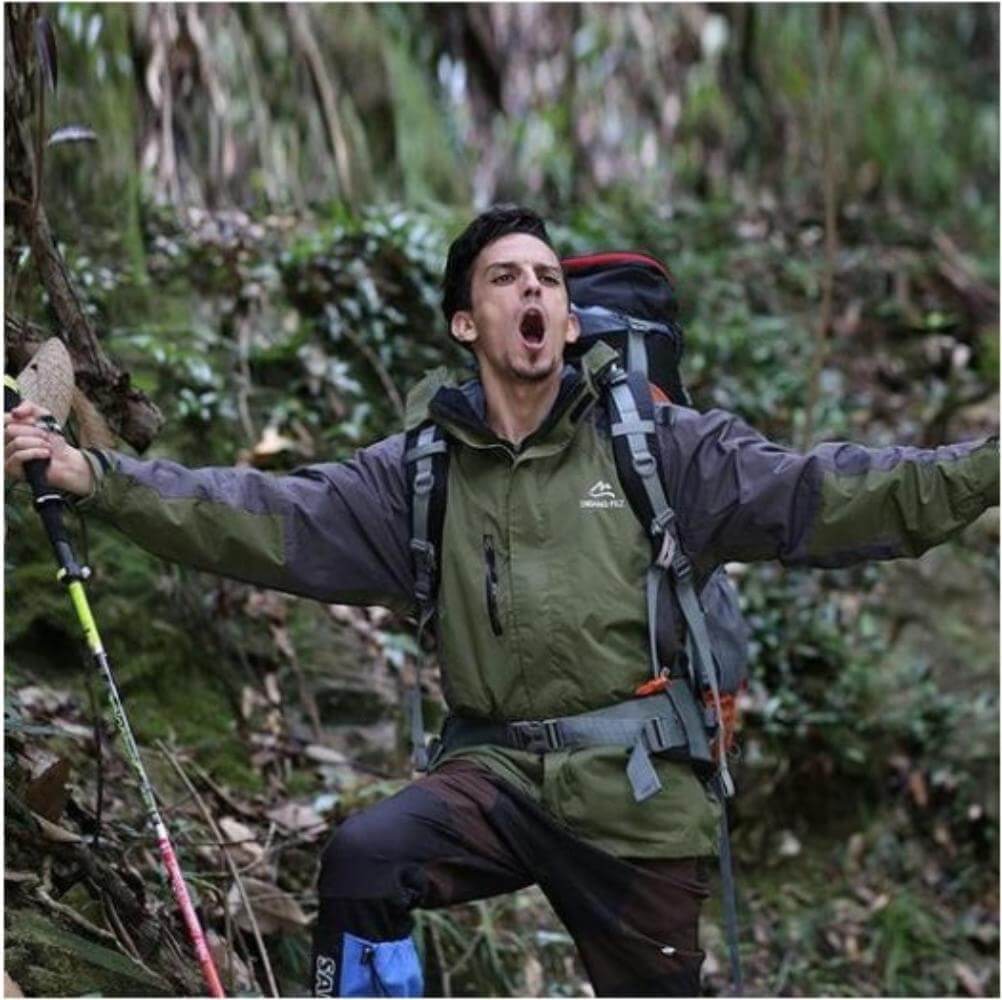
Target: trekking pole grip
x,y
48,501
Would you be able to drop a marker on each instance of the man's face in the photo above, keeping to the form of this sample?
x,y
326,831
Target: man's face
x,y
520,319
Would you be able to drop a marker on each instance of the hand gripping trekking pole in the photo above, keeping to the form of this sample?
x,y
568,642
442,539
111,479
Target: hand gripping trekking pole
x,y
49,504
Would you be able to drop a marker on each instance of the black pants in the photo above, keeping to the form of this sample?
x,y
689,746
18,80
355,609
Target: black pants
x,y
462,834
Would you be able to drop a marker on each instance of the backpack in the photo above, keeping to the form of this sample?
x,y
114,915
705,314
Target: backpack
x,y
628,301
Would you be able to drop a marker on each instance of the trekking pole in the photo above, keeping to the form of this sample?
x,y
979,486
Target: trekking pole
x,y
49,504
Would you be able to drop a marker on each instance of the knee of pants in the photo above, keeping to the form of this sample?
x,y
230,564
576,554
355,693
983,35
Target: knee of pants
x,y
364,860
346,858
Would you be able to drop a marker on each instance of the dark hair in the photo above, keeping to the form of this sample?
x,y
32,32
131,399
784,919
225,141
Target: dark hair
x,y
497,221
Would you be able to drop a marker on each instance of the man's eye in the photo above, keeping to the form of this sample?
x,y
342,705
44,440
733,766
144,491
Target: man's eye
x,y
550,279
502,279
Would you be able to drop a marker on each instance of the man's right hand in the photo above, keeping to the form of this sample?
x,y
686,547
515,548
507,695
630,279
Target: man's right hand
x,y
26,439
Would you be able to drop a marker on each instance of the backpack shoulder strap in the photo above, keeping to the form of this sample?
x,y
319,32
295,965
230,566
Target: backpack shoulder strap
x,y
636,450
426,462
639,464
426,467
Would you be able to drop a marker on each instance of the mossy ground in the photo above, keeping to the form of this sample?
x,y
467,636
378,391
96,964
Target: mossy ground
x,y
50,961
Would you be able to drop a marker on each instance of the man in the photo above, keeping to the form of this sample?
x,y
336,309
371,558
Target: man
x,y
541,613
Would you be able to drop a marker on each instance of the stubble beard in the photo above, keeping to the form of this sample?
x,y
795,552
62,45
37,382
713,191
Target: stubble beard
x,y
536,374
525,371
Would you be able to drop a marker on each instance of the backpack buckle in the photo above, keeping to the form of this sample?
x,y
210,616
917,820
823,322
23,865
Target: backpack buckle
x,y
553,736
424,569
536,737
655,735
643,462
423,481
424,552
661,521
682,565
667,552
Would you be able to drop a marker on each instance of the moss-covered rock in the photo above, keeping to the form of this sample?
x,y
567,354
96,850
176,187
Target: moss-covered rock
x,y
46,959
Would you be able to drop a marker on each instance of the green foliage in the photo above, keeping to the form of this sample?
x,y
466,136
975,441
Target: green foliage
x,y
157,653
903,929
872,721
368,287
823,693
425,148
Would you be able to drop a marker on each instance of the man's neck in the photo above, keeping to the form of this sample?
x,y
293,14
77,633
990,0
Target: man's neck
x,y
515,409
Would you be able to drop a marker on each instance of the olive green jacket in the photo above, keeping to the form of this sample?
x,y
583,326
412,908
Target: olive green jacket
x,y
541,607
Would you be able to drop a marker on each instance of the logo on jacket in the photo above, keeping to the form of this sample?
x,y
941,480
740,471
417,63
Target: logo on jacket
x,y
601,497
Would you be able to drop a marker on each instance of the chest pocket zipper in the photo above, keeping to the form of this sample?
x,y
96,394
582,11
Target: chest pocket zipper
x,y
491,584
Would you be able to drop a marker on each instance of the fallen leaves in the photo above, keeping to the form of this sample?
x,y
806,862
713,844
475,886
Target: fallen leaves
x,y
298,818
275,910
234,971
54,833
46,794
43,700
242,840
326,755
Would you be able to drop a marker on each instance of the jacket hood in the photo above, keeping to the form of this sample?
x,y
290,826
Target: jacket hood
x,y
455,400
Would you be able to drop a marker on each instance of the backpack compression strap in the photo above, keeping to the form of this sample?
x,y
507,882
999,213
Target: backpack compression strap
x,y
426,456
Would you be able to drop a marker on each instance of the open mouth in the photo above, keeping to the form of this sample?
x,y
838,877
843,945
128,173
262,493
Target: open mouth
x,y
532,327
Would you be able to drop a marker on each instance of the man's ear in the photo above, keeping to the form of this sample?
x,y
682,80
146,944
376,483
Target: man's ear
x,y
462,327
573,328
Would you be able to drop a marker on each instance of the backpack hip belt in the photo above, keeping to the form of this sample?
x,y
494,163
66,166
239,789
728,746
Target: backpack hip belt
x,y
668,723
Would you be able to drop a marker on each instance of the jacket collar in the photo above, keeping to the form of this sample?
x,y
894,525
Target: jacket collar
x,y
455,401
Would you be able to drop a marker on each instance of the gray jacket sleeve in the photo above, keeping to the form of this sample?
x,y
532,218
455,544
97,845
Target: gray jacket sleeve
x,y
740,497
336,532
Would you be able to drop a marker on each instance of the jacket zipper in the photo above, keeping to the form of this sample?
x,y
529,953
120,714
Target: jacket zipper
x,y
491,584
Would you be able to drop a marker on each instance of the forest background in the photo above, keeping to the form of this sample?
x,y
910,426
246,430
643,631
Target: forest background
x,y
249,218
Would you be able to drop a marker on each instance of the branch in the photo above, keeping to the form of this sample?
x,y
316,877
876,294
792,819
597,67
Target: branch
x,y
78,920
131,414
981,297
380,369
304,37
129,411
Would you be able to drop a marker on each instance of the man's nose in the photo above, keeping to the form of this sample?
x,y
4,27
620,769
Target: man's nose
x,y
530,283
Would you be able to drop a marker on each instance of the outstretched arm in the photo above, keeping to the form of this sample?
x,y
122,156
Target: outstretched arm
x,y
334,532
740,497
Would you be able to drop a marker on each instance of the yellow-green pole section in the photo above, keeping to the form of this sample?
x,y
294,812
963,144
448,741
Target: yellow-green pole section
x,y
79,597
